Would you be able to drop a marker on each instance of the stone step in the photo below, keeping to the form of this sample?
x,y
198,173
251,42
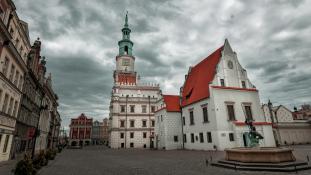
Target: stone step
x,y
256,168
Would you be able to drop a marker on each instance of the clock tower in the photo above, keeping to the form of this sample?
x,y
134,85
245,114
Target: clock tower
x,y
124,73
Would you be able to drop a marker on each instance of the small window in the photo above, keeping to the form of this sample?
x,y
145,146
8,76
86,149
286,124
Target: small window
x,y
132,108
152,123
122,145
175,138
122,123
132,135
144,135
12,73
243,84
185,138
205,114
132,123
161,118
231,137
209,137
122,108
184,121
152,108
222,82
121,135
201,138
144,109
248,112
191,118
192,138
144,123
132,145
5,66
231,114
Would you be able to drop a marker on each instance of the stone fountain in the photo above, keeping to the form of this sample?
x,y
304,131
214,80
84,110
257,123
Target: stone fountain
x,y
258,158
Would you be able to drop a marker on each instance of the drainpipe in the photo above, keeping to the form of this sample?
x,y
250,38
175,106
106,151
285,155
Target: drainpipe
x,y
125,133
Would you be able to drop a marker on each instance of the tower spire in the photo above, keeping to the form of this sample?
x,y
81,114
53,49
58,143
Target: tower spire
x,y
126,20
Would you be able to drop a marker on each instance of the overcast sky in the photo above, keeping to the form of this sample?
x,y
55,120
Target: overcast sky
x,y
79,39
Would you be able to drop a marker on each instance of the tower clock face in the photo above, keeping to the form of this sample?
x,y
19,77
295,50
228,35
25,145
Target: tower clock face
x,y
125,62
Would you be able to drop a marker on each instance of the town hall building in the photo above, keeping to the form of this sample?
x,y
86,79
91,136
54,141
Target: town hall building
x,y
132,104
215,100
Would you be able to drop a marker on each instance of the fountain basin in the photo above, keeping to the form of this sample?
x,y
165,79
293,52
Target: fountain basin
x,y
260,155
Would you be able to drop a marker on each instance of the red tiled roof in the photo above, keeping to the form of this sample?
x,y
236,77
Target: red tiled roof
x,y
196,86
172,103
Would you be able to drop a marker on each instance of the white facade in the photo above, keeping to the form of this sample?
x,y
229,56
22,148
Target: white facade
x,y
132,128
168,130
286,130
218,129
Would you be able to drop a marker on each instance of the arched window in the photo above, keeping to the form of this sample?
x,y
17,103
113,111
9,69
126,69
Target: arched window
x,y
126,50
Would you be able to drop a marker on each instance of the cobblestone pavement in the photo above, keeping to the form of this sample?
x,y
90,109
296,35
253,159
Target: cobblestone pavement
x,y
96,160
104,161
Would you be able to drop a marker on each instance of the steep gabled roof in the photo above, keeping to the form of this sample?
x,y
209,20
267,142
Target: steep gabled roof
x,y
172,103
196,85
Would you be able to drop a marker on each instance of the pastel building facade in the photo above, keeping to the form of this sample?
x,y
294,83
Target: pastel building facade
x,y
286,128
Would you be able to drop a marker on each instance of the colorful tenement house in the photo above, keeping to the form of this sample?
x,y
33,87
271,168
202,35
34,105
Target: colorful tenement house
x,y
80,131
132,103
216,99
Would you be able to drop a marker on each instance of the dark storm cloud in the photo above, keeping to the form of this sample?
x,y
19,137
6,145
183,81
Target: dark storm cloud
x,y
80,41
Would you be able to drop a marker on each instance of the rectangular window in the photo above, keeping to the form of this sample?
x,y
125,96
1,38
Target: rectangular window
x,y
132,108
222,82
152,109
152,123
209,137
231,137
122,145
205,114
243,84
161,118
12,72
5,103
175,138
5,66
6,143
201,138
144,135
231,114
122,123
184,121
144,123
132,145
144,109
192,138
132,135
122,108
132,123
185,138
121,135
20,84
16,78
191,118
10,106
248,112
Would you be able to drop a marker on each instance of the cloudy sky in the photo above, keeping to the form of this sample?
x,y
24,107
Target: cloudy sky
x,y
79,39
